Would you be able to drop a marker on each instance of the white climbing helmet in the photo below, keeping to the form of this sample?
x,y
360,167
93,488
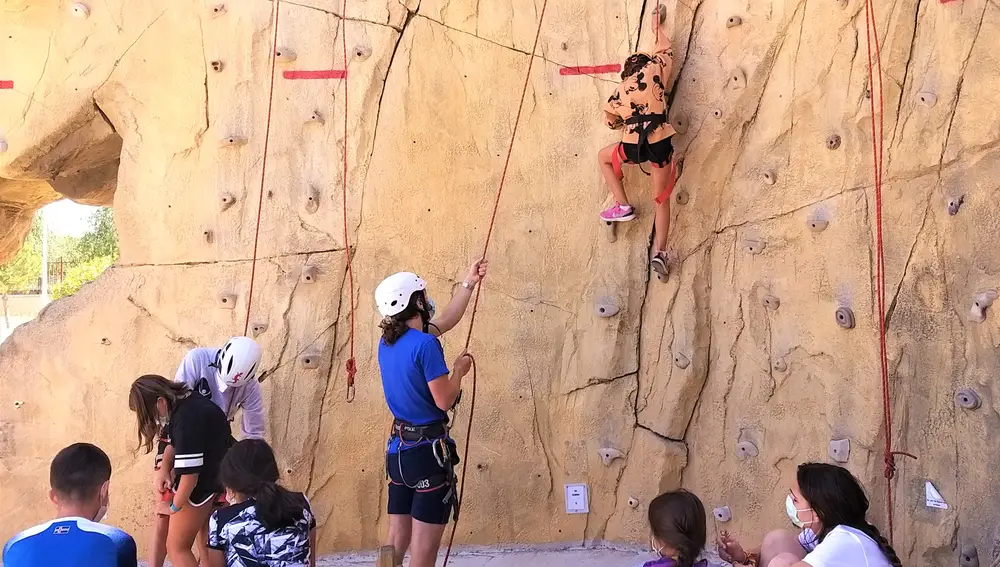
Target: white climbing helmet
x,y
238,362
393,294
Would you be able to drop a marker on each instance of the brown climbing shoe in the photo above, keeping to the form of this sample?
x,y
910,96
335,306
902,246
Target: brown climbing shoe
x,y
659,265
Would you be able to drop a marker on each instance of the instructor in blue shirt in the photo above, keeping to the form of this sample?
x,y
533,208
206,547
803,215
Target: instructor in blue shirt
x,y
79,476
419,390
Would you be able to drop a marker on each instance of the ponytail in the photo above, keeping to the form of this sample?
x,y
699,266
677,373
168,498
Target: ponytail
x,y
883,544
395,326
278,507
678,519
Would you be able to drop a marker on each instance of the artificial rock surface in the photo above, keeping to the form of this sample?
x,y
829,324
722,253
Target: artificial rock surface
x,y
127,103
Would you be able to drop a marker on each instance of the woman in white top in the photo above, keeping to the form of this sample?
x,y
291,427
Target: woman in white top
x,y
830,506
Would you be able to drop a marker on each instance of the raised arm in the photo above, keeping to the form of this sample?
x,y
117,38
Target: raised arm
x,y
455,310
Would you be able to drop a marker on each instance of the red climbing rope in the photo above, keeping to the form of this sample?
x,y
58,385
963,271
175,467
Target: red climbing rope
x,y
486,248
877,159
263,168
351,366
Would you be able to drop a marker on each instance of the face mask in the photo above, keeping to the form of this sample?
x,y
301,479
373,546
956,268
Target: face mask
x,y
106,503
793,512
653,548
427,313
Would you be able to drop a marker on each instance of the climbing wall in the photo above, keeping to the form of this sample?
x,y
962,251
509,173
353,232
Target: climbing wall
x,y
218,131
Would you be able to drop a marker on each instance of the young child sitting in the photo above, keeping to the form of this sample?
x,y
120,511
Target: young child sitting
x,y
677,530
639,108
265,524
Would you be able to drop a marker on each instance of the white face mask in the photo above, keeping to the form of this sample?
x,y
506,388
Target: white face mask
x,y
106,503
652,547
793,513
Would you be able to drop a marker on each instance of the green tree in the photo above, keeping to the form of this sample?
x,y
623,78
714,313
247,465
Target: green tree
x,y
102,238
23,272
81,274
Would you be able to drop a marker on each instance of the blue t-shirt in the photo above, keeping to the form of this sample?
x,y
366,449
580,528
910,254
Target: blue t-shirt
x,y
407,366
71,542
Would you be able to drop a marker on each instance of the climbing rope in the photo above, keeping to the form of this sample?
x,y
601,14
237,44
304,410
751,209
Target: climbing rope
x,y
877,158
351,366
263,168
486,248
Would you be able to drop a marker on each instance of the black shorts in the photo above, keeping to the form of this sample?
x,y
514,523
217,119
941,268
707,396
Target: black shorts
x,y
657,153
419,486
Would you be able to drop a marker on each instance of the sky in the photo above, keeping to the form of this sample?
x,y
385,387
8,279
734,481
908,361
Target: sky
x,y
68,218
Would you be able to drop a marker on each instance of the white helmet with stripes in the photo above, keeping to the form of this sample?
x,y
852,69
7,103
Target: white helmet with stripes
x,y
238,362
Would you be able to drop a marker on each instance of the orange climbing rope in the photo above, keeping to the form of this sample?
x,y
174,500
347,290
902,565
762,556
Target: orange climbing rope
x,y
263,168
877,158
486,248
351,366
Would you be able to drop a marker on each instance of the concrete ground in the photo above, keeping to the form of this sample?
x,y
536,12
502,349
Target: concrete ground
x,y
522,557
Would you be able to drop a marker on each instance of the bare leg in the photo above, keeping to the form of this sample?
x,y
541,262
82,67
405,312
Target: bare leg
x,y
183,530
400,531
158,540
661,222
784,560
202,542
605,157
426,542
778,543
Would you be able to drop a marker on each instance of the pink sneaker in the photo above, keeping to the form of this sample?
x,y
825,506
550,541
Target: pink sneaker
x,y
618,213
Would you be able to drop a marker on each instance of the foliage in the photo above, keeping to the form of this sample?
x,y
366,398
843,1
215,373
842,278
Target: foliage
x,y
101,240
81,274
24,270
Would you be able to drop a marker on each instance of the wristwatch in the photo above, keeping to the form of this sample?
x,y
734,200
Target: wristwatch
x,y
468,286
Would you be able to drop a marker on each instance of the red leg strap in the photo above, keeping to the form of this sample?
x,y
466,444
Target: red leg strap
x,y
665,194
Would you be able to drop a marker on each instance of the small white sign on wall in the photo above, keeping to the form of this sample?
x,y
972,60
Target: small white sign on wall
x,y
576,499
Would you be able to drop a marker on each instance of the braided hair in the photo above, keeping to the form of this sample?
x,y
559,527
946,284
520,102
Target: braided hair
x,y
836,497
678,520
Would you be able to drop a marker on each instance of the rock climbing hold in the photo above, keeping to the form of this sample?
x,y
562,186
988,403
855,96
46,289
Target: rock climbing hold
x,y
954,204
927,99
232,141
309,361
754,245
18,404
717,113
316,118
980,304
680,123
745,450
284,54
770,177
312,200
217,66
3,146
737,79
208,235
681,361
633,502
606,307
968,557
779,365
258,329
362,52
564,46
609,454
661,10
845,317
227,301
217,10
833,142
105,341
840,450
611,231
308,274
226,200
733,21
722,514
771,302
682,197
816,224
79,10
967,398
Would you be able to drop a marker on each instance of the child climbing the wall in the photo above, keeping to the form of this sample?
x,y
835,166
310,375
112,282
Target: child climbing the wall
x,y
677,530
638,107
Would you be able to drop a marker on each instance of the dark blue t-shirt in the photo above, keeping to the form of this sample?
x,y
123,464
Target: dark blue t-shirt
x,y
70,542
407,366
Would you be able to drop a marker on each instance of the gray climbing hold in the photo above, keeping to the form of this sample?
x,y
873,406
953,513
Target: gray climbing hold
x,y
733,21
769,177
232,141
606,307
754,245
105,342
79,10
284,54
315,118
362,52
771,302
633,502
779,365
309,361
216,10
226,200
845,317
312,200
308,275
968,557
722,514
258,329
3,146
833,142
927,99
816,223
208,235
980,304
967,398
681,361
609,454
680,123
683,197
18,404
737,79
611,231
661,10
717,112
954,204
745,450
227,301
217,66
840,450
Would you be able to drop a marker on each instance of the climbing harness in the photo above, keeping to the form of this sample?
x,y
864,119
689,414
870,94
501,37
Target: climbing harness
x,y
877,157
439,438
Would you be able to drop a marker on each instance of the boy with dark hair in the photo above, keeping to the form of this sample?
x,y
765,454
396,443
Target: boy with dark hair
x,y
79,476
